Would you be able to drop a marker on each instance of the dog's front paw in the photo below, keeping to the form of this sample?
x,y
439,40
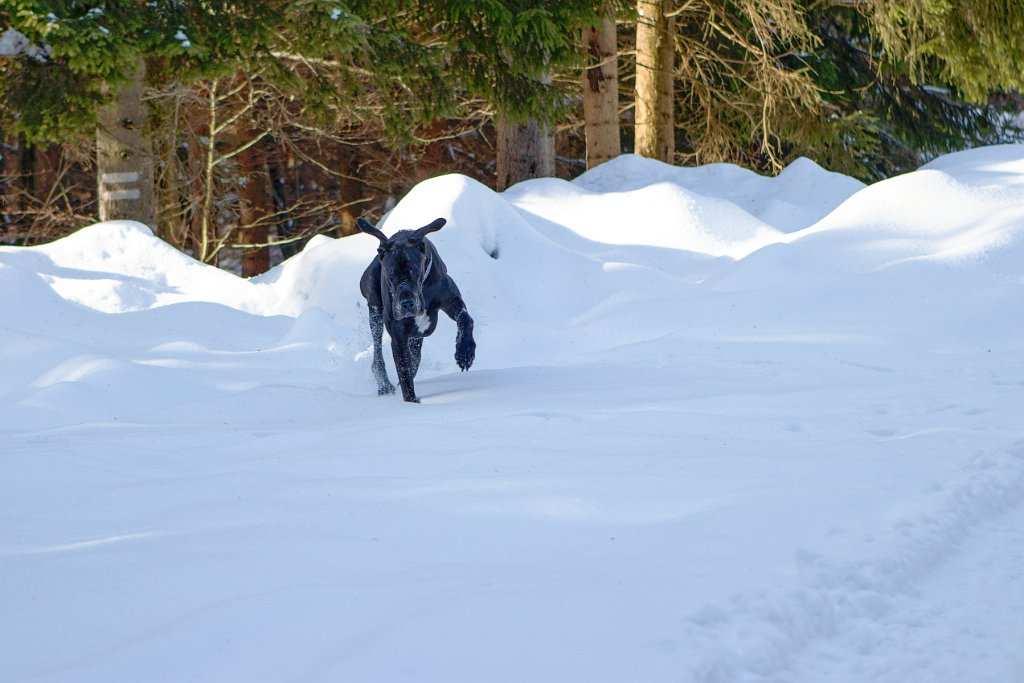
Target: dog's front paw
x,y
385,389
464,355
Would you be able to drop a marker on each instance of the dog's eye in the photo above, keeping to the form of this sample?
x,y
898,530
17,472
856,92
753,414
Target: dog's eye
x,y
422,247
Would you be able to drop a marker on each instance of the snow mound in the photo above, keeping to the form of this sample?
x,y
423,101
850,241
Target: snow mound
x,y
661,214
121,266
550,258
798,197
898,260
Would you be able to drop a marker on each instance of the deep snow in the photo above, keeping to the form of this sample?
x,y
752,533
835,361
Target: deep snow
x,y
721,427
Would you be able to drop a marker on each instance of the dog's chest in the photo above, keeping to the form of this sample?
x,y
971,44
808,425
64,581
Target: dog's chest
x,y
422,323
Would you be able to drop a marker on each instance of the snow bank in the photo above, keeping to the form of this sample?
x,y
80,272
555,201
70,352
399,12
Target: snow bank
x,y
554,269
721,427
798,197
898,260
121,266
662,214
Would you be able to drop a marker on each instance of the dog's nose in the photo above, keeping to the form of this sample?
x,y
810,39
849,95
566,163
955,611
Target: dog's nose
x,y
407,305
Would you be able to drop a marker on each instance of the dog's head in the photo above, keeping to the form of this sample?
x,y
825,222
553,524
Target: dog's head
x,y
405,258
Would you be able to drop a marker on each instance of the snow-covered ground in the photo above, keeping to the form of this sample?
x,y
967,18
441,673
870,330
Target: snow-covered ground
x,y
721,428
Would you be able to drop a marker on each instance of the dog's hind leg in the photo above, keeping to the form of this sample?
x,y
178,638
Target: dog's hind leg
x,y
380,373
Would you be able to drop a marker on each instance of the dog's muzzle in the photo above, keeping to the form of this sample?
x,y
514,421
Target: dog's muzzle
x,y
407,304
407,309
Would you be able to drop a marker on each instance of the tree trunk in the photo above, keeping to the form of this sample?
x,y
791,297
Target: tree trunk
x,y
45,169
655,54
253,208
124,159
172,215
164,127
352,190
525,150
10,174
601,93
196,131
201,137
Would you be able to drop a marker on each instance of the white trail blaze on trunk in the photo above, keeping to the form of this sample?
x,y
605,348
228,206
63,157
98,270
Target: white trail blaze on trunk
x,y
124,157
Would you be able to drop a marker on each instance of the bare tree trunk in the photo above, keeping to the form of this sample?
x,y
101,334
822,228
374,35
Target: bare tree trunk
x,y
173,228
45,169
525,150
655,54
284,226
352,190
124,158
203,129
253,208
196,131
165,129
601,93
10,173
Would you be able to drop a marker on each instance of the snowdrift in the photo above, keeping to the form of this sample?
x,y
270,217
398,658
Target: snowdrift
x,y
721,427
552,269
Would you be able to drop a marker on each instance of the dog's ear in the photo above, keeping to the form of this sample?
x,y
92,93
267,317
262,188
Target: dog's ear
x,y
436,225
365,226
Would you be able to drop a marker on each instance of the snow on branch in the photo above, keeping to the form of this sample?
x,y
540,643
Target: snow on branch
x,y
14,44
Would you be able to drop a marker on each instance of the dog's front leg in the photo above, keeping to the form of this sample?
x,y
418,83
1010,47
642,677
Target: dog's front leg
x,y
404,365
415,352
465,345
380,373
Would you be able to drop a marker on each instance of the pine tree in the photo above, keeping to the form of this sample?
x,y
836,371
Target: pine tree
x,y
271,70
508,53
975,45
124,156
655,80
83,68
601,91
317,65
900,123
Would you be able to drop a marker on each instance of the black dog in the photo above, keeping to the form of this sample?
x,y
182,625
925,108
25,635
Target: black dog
x,y
404,287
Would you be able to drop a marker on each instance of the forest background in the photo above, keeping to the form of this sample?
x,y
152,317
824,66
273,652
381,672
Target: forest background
x,y
237,130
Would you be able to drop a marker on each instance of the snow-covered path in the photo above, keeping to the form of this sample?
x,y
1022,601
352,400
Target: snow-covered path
x,y
743,525
958,623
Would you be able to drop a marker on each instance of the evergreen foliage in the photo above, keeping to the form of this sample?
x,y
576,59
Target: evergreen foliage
x,y
865,87
84,50
747,94
904,122
330,55
505,51
973,44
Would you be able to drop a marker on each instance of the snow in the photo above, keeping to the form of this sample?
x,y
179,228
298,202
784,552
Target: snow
x,y
721,427
182,38
13,44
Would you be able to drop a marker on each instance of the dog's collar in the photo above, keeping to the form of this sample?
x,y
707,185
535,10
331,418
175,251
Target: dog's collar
x,y
426,271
